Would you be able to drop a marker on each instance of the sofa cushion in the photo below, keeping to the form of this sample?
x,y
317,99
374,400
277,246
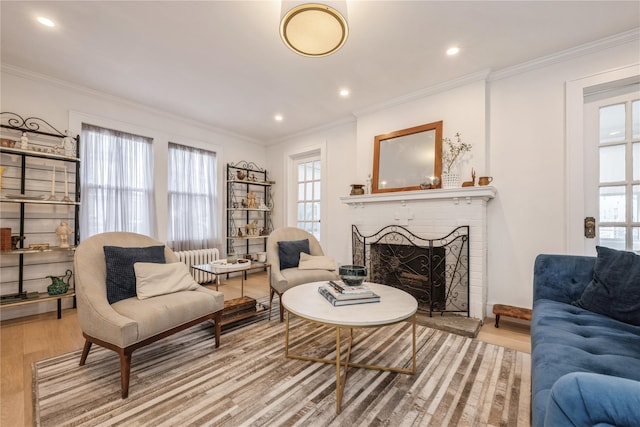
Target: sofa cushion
x,y
587,399
154,279
121,277
566,338
163,312
289,252
615,288
316,262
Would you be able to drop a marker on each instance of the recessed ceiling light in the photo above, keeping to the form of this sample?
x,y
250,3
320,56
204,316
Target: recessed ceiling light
x,y
453,50
46,21
278,117
344,93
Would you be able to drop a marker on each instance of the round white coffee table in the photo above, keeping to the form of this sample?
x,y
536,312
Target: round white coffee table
x,y
395,306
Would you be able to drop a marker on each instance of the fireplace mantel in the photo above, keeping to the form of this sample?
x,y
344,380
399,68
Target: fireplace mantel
x,y
456,195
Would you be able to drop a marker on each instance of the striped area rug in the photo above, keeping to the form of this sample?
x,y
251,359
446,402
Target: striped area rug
x,y
183,380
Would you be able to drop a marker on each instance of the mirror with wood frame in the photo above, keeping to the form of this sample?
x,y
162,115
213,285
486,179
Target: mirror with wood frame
x,y
404,159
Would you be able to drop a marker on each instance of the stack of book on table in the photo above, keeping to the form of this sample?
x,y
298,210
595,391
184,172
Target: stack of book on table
x,y
337,293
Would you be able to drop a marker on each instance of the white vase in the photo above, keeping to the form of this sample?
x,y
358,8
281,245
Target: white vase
x,y
450,180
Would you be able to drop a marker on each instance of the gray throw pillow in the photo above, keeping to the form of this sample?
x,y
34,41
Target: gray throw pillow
x,y
615,288
121,276
289,252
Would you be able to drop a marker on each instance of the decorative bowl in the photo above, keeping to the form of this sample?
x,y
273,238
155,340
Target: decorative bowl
x,y
352,275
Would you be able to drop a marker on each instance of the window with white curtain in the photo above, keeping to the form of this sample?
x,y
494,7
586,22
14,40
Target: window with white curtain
x,y
192,219
116,178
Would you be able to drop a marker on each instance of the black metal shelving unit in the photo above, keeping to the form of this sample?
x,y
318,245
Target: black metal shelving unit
x,y
243,179
46,142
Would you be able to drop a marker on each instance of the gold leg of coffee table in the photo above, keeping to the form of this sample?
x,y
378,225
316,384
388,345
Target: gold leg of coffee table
x,y
340,382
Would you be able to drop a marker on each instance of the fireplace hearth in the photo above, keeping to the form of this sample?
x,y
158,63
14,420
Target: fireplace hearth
x,y
434,271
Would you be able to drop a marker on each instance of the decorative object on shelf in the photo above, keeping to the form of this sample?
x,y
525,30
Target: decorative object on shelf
x,y
243,202
252,228
367,185
252,202
264,232
24,141
357,189
7,143
262,256
63,231
66,186
68,145
253,178
2,169
59,284
485,180
52,196
240,232
431,182
352,275
452,153
241,176
262,205
15,240
39,246
471,183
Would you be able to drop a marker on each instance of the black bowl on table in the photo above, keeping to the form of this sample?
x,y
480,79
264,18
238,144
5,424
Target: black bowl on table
x,y
352,275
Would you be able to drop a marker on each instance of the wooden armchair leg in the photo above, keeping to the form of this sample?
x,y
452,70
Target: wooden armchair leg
x,y
125,372
270,301
281,309
218,325
85,352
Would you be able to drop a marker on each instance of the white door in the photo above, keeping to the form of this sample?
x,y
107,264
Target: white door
x,y
612,168
599,134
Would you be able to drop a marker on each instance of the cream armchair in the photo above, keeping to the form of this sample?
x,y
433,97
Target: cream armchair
x,y
281,280
131,323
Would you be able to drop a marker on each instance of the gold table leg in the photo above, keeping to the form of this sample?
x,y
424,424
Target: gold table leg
x,y
340,365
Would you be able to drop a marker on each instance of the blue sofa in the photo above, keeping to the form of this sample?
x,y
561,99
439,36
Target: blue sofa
x,y
585,366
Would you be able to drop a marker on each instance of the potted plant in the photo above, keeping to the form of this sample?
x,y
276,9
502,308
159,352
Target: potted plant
x,y
452,153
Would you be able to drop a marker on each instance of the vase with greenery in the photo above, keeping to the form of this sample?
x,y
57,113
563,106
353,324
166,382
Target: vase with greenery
x,y
452,153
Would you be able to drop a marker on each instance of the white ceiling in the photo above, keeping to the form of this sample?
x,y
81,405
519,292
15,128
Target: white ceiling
x,y
222,62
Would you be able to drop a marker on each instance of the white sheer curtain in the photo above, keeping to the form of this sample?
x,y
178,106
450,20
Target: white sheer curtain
x,y
193,199
117,190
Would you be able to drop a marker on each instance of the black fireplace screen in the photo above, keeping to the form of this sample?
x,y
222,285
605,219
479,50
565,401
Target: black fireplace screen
x,y
434,271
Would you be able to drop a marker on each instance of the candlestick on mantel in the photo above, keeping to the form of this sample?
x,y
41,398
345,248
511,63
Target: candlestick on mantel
x,y
66,186
53,184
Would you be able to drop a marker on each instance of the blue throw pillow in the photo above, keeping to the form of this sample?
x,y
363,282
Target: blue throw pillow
x,y
615,288
121,277
289,252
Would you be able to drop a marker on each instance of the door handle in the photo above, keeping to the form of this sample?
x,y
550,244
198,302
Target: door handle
x,y
590,227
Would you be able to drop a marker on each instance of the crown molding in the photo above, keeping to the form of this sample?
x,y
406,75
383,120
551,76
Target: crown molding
x,y
422,93
564,55
32,75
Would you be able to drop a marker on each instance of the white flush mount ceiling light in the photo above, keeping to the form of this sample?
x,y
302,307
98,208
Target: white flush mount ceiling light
x,y
453,51
46,21
313,29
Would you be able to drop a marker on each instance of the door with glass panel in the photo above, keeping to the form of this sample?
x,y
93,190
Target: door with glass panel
x,y
308,184
612,172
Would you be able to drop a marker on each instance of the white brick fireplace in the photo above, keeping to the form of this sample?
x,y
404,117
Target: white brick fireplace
x,y
433,214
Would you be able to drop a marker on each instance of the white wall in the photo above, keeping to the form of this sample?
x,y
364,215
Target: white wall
x,y
66,106
527,158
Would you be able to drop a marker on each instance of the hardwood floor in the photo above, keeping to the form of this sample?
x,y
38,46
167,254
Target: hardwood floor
x,y
29,339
